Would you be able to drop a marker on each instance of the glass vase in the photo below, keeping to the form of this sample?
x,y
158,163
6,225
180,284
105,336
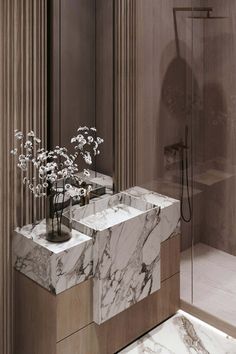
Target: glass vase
x,y
58,228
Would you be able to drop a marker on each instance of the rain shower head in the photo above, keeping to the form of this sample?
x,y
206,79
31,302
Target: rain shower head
x,y
207,10
194,14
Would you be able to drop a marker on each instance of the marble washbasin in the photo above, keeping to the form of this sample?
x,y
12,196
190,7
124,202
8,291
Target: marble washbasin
x,y
126,251
105,213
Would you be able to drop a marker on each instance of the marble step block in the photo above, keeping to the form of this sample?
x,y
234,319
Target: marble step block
x,y
126,251
55,266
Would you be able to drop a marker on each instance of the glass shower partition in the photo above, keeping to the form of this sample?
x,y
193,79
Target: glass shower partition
x,y
212,166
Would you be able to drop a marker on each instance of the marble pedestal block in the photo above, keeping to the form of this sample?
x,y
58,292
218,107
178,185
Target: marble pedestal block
x,y
55,266
126,251
169,210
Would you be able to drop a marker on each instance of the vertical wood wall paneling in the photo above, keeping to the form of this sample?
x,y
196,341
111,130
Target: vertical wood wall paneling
x,y
125,93
23,105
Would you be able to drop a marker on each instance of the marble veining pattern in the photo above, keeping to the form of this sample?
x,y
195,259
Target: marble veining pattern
x,y
126,265
55,266
183,334
170,210
126,251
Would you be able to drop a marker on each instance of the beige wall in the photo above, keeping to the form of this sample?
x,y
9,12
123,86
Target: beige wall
x,y
164,82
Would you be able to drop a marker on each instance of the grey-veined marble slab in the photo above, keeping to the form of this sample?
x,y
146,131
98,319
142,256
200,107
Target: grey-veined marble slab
x,y
183,334
55,266
126,251
170,210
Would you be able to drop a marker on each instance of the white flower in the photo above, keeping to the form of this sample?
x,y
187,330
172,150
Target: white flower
x,y
87,157
52,177
31,133
38,187
25,180
40,150
14,151
82,192
89,188
90,139
19,135
82,128
37,140
28,144
99,140
36,164
86,173
68,162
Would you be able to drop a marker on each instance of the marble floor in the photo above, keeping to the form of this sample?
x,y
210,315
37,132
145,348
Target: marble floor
x,y
214,281
183,334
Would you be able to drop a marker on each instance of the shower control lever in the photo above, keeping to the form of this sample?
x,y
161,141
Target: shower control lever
x,y
177,147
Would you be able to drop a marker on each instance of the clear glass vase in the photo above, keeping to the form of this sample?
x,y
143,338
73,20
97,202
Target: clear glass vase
x,y
58,228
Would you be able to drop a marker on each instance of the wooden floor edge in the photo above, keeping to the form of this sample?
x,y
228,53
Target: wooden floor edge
x,y
208,318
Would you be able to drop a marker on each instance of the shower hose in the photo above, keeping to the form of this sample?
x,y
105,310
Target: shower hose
x,y
184,165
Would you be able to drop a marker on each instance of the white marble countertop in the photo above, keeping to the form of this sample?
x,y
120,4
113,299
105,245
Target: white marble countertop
x,y
37,233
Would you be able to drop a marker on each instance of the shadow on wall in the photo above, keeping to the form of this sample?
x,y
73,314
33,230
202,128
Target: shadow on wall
x,y
215,116
179,90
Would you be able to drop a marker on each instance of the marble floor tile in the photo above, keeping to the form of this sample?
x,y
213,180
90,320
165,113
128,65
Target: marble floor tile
x,y
183,334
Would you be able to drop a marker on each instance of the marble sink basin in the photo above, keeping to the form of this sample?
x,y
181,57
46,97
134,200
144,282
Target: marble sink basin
x,y
103,214
126,251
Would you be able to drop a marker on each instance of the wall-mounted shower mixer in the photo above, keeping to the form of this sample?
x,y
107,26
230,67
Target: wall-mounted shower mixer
x,y
179,153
